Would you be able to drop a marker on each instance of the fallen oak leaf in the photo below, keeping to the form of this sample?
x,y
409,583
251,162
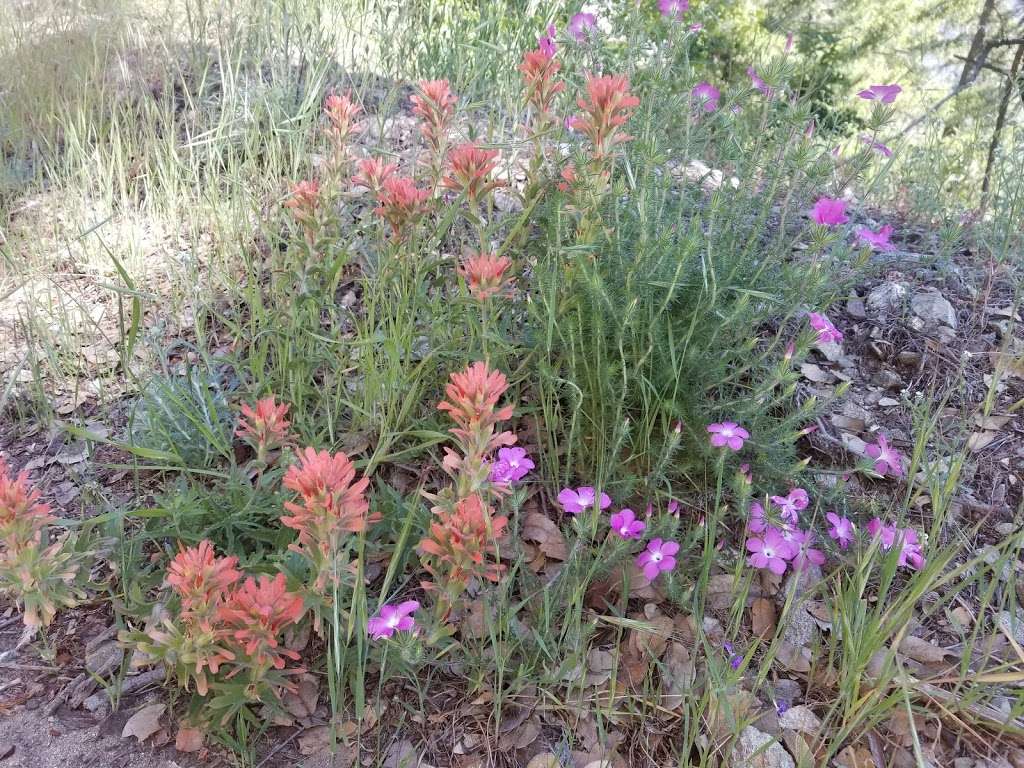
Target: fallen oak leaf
x,y
542,531
144,723
762,617
189,739
921,650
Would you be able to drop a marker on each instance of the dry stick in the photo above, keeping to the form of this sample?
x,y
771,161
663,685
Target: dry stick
x,y
964,85
993,146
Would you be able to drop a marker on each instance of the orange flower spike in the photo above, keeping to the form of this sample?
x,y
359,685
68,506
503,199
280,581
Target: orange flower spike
x,y
22,515
609,105
434,104
331,496
304,202
402,203
257,613
472,395
372,174
461,541
539,69
201,579
484,273
341,114
469,169
264,427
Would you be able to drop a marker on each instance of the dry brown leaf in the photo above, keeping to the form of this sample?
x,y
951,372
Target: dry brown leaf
x,y
793,658
992,422
315,740
302,702
144,723
854,757
762,617
599,666
653,638
402,755
189,739
520,737
540,529
978,441
816,374
798,747
677,676
922,650
544,760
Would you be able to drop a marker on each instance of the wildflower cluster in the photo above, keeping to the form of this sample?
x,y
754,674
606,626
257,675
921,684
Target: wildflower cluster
x,y
38,574
341,113
264,428
434,104
331,504
224,628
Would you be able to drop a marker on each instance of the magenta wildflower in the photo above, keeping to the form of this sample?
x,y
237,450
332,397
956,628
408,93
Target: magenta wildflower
x,y
673,9
673,507
746,474
887,459
885,93
879,239
512,466
581,25
728,433
659,556
789,43
806,555
757,522
758,82
827,332
877,145
696,28
546,42
626,525
769,551
840,529
829,212
792,504
790,536
580,500
706,95
911,555
393,618
735,659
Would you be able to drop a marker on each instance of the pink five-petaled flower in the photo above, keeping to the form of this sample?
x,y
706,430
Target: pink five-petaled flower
x,y
546,42
402,203
608,106
673,9
885,93
769,551
659,556
372,174
484,273
512,466
264,427
393,618
626,525
582,499
827,333
887,459
877,145
706,95
792,504
757,522
581,25
806,555
879,239
469,171
840,529
728,433
829,212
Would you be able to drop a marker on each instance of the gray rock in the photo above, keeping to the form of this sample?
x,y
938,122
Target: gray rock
x,y
887,379
800,719
887,298
754,749
1012,625
932,308
855,308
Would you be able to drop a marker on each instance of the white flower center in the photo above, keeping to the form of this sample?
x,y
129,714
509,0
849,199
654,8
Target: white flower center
x,y
656,557
768,552
393,620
